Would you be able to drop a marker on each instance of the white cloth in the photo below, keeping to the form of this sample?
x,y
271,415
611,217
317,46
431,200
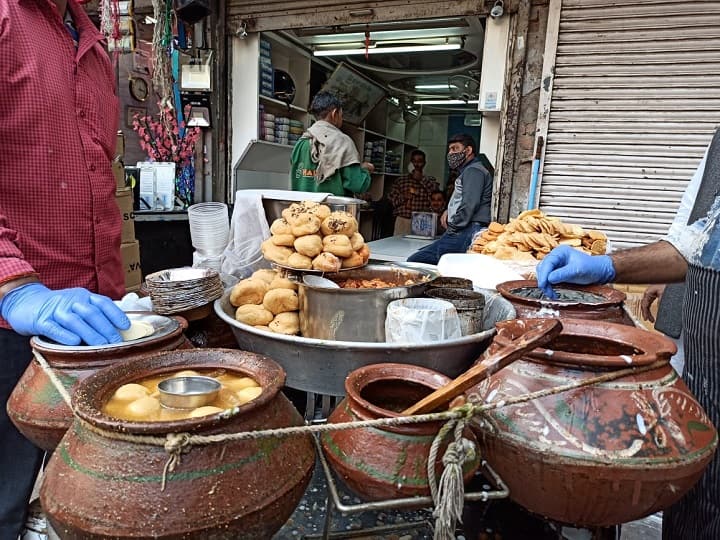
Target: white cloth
x,y
330,148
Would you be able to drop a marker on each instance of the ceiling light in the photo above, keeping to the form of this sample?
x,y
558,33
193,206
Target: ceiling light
x,y
387,50
434,86
445,102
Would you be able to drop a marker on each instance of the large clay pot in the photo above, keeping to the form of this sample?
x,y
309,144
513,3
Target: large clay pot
x,y
603,454
388,462
35,406
610,309
96,487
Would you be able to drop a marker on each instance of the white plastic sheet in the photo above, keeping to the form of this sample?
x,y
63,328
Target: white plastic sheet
x,y
421,320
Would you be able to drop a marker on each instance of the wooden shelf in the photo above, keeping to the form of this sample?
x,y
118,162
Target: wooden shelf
x,y
282,104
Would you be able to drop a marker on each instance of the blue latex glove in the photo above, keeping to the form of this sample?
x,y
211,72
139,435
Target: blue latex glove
x,y
68,316
568,265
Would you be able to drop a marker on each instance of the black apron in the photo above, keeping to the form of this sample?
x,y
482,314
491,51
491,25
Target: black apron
x,y
697,515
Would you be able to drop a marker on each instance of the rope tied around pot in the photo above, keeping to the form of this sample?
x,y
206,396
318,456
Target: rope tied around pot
x,y
449,494
180,443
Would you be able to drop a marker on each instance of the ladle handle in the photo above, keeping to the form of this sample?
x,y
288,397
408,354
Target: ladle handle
x,y
541,332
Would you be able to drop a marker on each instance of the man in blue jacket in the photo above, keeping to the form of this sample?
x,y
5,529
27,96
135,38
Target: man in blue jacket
x,y
469,207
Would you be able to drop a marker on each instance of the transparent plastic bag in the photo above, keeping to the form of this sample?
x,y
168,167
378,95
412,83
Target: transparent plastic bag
x,y
421,320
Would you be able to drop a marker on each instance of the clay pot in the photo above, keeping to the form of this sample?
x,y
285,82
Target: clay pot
x,y
96,487
603,454
388,462
35,406
611,309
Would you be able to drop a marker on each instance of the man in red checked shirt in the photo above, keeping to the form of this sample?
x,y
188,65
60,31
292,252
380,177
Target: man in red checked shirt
x,y
59,223
411,193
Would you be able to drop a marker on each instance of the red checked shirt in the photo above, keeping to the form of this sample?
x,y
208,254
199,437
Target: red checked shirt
x,y
58,120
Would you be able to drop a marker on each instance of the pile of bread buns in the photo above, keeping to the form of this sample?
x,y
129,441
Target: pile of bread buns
x,y
267,300
309,236
532,235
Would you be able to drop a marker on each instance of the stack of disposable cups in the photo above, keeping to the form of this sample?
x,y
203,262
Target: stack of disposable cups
x,y
209,231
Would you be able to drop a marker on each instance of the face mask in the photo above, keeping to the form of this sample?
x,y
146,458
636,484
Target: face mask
x,y
455,159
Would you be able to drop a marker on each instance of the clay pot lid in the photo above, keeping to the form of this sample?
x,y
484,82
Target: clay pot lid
x,y
92,393
612,296
642,346
360,378
162,327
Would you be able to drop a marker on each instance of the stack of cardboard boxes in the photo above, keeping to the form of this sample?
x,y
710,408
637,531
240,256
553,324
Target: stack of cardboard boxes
x,y
130,248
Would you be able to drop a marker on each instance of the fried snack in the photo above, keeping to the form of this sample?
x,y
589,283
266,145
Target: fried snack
x,y
281,282
265,274
353,260
495,227
286,323
286,240
277,254
253,315
299,261
339,223
248,291
280,301
310,245
364,252
322,211
326,262
280,226
337,244
357,241
305,223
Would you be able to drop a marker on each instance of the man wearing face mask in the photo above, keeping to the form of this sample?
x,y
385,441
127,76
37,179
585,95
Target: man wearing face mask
x,y
469,207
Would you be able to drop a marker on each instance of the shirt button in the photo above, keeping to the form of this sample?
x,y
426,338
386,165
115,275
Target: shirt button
x,y
81,113
92,167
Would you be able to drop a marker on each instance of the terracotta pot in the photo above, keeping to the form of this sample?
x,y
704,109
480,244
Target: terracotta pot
x,y
603,454
611,309
388,462
96,487
35,406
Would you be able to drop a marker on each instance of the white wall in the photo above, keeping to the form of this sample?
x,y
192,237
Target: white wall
x,y
433,141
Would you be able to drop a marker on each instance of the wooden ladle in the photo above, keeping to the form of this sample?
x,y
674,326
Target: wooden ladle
x,y
540,332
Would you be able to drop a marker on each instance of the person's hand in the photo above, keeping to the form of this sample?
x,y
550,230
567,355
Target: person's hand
x,y
565,264
443,219
652,293
68,316
369,167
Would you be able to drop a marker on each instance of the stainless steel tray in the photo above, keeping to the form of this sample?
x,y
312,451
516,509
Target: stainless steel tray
x,y
320,366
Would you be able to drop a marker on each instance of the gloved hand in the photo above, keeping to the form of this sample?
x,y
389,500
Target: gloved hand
x,y
68,316
568,265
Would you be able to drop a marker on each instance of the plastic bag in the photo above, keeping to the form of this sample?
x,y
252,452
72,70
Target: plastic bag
x,y
248,229
421,320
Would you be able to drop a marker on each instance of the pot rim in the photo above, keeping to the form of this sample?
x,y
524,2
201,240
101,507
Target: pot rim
x,y
612,296
423,270
623,334
93,392
360,378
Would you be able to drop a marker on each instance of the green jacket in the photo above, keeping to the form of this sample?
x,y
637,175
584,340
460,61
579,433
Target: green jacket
x,y
345,181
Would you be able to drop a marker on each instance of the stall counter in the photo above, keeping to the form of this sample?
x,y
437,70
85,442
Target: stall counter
x,y
396,248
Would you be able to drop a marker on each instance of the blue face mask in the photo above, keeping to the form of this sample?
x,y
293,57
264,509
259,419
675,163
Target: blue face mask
x,y
456,159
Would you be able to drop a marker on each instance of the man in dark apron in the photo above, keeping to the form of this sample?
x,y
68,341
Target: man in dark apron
x,y
689,252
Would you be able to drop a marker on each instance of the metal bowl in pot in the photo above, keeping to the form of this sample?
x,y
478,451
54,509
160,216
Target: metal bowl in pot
x,y
358,314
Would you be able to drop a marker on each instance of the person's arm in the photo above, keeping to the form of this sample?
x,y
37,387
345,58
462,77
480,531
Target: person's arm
x,y
474,185
355,178
396,195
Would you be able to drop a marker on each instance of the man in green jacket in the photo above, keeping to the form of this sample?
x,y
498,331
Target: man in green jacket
x,y
325,159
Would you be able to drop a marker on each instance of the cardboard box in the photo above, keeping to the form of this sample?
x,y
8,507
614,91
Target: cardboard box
x,y
120,146
118,169
130,253
124,198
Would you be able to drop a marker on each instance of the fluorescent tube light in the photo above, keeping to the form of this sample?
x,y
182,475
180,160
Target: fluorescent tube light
x,y
434,86
445,102
387,50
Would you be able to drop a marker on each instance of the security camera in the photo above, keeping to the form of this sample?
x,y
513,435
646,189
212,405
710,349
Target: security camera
x,y
497,10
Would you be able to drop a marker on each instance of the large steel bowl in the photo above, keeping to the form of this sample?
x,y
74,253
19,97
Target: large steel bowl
x,y
320,366
274,207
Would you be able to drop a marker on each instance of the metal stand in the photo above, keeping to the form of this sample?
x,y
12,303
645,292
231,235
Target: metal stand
x,y
497,491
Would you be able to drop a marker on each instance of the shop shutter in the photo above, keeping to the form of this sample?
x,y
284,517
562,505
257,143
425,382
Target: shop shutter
x,y
635,101
263,15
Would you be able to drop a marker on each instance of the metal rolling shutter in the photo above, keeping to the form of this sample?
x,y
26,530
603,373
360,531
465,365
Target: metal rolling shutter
x,y
262,15
635,101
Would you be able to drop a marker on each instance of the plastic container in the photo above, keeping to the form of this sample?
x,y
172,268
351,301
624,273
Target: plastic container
x,y
469,305
209,227
421,320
